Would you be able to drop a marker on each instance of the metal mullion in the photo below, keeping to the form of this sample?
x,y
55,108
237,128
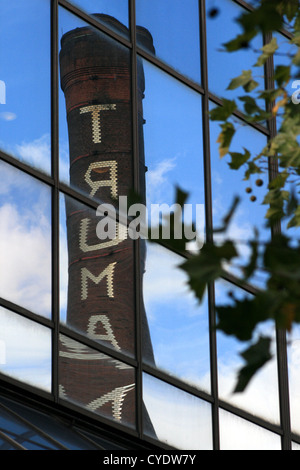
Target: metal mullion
x,y
177,382
97,346
99,420
11,441
209,222
26,313
25,168
239,115
31,426
164,67
93,22
55,195
136,243
248,416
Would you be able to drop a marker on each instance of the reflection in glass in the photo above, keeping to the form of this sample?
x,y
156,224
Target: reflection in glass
x,y
95,110
172,139
100,299
97,382
116,8
97,278
228,183
25,77
25,241
179,419
21,432
174,26
25,350
178,325
238,434
224,66
261,395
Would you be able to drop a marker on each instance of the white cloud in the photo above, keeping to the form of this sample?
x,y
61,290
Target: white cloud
x,y
26,350
37,152
179,418
25,251
157,180
163,281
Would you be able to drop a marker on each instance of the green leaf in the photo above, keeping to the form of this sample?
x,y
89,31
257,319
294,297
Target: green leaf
x,y
256,356
241,317
245,80
252,170
207,266
279,181
265,18
222,113
267,51
282,75
296,58
239,42
295,221
238,159
250,105
290,8
225,138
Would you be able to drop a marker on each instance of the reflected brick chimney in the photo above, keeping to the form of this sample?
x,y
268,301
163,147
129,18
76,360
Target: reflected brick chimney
x,y
96,81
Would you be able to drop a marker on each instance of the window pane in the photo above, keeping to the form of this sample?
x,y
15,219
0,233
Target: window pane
x,y
172,139
25,75
115,8
97,382
238,434
228,183
174,26
95,112
178,325
25,241
176,417
261,395
25,350
224,66
97,278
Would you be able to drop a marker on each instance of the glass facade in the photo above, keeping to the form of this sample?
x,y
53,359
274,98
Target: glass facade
x,y
102,99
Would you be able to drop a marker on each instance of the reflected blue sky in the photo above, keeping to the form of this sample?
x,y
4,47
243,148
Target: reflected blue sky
x,y
115,8
178,324
181,420
174,155
223,66
174,26
25,69
25,243
228,183
173,139
25,350
264,384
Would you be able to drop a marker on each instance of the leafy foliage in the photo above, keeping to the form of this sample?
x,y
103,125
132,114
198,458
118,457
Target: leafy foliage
x,y
279,301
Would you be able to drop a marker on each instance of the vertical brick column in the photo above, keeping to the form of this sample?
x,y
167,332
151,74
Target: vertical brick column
x,y
96,81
